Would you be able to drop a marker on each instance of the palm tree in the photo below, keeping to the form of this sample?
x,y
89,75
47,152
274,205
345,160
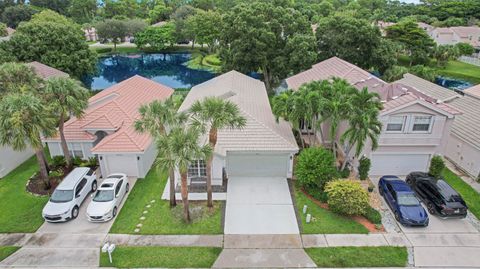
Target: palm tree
x,y
67,98
215,113
23,119
179,149
284,106
363,122
156,118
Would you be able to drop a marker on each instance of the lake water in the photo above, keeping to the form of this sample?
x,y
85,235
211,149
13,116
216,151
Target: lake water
x,y
168,69
453,84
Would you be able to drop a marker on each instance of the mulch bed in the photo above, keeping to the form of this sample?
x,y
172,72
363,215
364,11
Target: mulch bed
x,y
36,185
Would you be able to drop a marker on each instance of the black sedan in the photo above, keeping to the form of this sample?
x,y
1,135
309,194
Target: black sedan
x,y
439,197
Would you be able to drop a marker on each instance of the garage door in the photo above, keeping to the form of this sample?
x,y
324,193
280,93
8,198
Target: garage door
x,y
257,165
122,164
398,164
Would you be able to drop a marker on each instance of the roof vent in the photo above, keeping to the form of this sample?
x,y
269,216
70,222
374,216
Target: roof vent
x,y
227,95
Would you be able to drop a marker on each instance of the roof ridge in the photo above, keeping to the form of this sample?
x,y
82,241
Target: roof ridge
x,y
111,137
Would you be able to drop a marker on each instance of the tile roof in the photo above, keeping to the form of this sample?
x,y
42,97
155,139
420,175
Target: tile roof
x,y
428,88
467,125
45,71
115,110
473,91
261,132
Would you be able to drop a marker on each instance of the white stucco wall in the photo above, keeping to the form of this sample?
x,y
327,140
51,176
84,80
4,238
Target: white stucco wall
x,y
146,160
464,155
55,148
10,159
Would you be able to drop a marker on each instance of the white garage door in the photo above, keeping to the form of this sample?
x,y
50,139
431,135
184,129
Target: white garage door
x,y
122,164
257,165
398,164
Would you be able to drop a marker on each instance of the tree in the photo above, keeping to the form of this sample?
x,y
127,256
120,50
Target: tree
x,y
156,118
424,72
256,36
157,38
135,26
55,41
82,11
13,15
17,78
181,145
465,49
114,30
283,106
214,113
204,27
445,53
121,8
66,98
3,29
394,73
179,18
315,167
60,6
160,12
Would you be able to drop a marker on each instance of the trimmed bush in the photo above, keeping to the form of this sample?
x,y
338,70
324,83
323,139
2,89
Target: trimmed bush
x,y
345,173
315,167
436,166
77,161
58,161
347,197
364,167
373,215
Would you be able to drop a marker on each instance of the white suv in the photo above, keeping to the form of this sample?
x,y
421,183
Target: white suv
x,y
65,202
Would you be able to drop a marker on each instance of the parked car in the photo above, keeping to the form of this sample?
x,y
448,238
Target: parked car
x,y
403,202
438,196
65,202
107,199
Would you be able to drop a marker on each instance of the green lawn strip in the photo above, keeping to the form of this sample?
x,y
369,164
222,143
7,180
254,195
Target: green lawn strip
x,y
21,212
461,70
471,197
324,221
6,251
161,219
385,256
165,257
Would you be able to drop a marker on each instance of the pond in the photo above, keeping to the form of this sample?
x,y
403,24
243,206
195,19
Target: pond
x,y
452,83
166,68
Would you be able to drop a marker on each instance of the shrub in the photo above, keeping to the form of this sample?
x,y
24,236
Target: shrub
x,y
364,167
465,49
347,197
58,161
56,173
373,215
345,173
315,167
3,29
436,166
77,161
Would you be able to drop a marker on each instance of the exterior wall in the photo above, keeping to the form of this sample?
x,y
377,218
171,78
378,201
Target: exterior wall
x,y
146,160
464,155
10,159
55,148
218,164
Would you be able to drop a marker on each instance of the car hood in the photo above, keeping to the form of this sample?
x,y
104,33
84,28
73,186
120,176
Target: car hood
x,y
99,208
56,208
416,213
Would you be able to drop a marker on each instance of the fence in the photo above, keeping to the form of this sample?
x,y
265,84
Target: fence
x,y
475,60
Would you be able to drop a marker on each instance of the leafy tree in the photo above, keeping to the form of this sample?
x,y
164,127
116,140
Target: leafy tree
x,y
17,77
285,107
66,98
82,11
157,38
364,167
55,41
315,167
114,30
159,13
204,27
3,29
424,72
60,6
135,26
256,36
386,55
212,114
13,15
445,53
6,54
179,17
120,8
347,197
465,49
436,166
394,73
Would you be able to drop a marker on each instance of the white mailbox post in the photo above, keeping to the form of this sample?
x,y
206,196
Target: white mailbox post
x,y
108,248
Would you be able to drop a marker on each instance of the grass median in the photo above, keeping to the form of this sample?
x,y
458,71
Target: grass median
x,y
471,197
6,251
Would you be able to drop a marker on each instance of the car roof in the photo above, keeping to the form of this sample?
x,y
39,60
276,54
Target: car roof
x,y
445,189
109,183
400,186
69,182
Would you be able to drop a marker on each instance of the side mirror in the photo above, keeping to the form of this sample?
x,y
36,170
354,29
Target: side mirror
x,y
91,195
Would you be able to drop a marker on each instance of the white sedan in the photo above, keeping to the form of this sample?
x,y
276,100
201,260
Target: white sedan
x,y
107,199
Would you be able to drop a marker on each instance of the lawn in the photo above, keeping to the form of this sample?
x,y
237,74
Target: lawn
x,y
160,218
165,257
471,197
359,256
461,70
324,221
6,251
21,212
202,61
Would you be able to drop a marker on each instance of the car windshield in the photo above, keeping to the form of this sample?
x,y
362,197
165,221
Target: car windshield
x,y
103,196
407,199
61,196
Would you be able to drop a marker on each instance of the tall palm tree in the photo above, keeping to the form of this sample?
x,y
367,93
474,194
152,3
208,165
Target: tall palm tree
x,y
363,122
157,118
284,106
67,98
23,119
214,113
179,149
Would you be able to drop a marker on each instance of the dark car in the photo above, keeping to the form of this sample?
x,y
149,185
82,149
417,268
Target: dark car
x,y
438,196
403,202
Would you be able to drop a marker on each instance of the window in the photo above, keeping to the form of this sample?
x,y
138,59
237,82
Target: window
x,y
198,168
119,186
421,123
80,186
76,150
395,123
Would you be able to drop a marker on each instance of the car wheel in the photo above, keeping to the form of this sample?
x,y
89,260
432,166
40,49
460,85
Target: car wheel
x,y
114,213
94,186
397,216
75,212
380,190
408,181
430,208
127,188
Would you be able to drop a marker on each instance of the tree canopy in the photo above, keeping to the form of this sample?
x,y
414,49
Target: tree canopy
x,y
157,38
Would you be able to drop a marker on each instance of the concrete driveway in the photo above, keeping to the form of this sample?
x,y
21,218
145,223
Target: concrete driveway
x,y
259,205
72,244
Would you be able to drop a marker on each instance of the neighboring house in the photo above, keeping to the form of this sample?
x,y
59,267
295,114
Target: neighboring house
x,y
90,34
415,125
454,35
106,130
263,148
45,71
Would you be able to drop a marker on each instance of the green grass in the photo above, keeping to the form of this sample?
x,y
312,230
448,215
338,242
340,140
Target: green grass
x,y
6,251
165,257
471,197
21,212
461,70
359,256
201,61
160,218
325,221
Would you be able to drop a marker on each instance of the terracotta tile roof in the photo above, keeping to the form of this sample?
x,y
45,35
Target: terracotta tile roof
x,y
115,110
428,88
45,71
473,91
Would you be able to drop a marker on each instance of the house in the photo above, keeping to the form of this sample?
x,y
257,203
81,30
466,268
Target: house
x,y
416,126
45,71
263,148
458,34
106,130
90,34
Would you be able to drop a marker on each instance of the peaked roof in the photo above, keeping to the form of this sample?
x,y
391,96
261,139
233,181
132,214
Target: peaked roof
x,y
428,88
261,132
115,110
473,91
45,71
